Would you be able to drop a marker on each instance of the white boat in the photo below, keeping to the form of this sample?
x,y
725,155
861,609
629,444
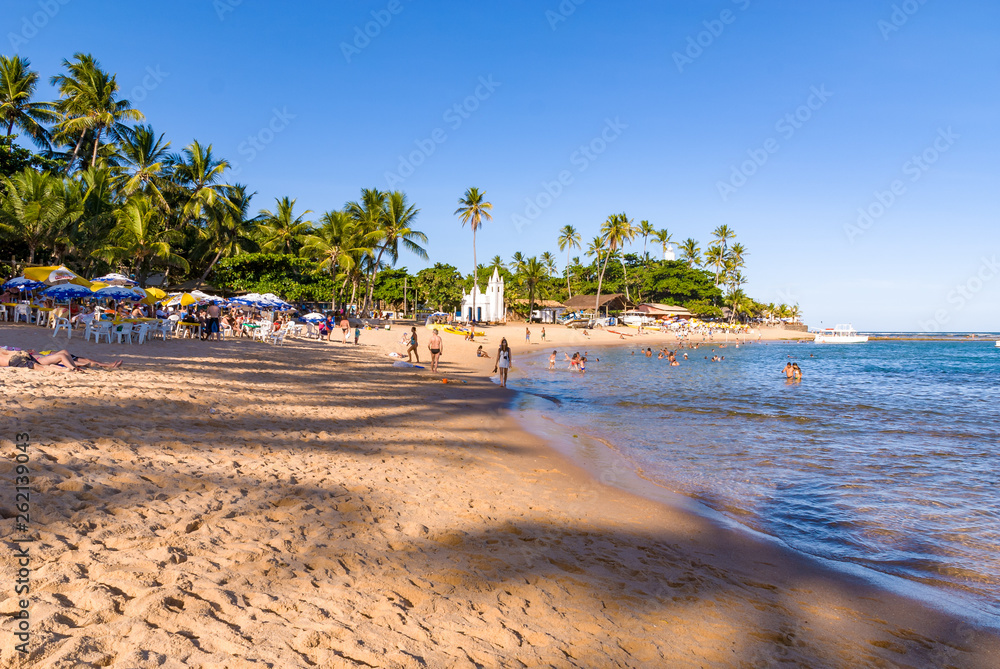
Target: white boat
x,y
842,334
998,343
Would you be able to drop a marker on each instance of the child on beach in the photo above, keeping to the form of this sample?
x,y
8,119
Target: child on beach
x,y
552,358
357,334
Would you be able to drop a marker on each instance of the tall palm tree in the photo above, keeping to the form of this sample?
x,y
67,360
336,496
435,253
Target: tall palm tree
x,y
337,244
665,239
691,252
738,254
497,263
230,229
548,262
532,276
33,208
141,239
281,230
145,156
394,229
200,175
721,236
715,257
517,262
616,232
90,104
569,239
646,230
472,209
17,87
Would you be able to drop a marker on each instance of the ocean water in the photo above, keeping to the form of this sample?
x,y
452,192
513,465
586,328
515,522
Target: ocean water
x,y
884,457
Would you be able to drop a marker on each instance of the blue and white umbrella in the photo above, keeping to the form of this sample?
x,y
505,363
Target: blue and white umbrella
x,y
23,284
115,280
120,293
314,317
67,291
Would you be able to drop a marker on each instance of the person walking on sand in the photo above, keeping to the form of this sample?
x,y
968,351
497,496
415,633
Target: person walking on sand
x,y
504,361
345,325
527,335
436,345
543,334
412,350
357,334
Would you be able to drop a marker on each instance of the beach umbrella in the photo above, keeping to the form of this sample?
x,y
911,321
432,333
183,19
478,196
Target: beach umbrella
x,y
314,317
115,280
67,291
155,292
55,275
120,293
22,283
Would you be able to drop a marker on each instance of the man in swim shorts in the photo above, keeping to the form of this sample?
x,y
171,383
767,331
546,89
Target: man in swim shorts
x,y
436,346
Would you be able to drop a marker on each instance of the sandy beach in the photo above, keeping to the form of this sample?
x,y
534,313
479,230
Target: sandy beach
x,y
239,505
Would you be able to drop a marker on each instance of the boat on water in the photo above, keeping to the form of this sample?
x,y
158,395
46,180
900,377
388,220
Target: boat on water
x,y
841,334
998,343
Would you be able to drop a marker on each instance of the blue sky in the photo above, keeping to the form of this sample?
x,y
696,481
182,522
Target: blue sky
x,y
784,120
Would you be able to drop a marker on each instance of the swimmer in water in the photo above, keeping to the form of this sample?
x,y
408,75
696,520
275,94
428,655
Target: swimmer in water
x,y
788,370
796,372
552,360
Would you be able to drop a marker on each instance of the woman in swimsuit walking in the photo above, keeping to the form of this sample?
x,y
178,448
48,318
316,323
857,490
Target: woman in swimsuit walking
x,y
412,350
503,362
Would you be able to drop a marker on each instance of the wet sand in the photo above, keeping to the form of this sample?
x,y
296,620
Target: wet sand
x,y
238,505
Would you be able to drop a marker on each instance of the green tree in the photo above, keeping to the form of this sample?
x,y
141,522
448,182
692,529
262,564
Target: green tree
x,y
230,230
531,278
441,286
394,228
472,209
33,209
199,173
17,88
664,238
282,230
141,239
569,239
645,230
145,156
338,243
90,104
616,232
691,252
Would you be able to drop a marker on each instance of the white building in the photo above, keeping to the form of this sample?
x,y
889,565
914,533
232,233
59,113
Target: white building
x,y
668,252
489,305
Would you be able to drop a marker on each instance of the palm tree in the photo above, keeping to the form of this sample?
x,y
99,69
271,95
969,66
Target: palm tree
x,y
715,257
394,228
721,236
549,262
282,231
664,238
145,156
738,253
336,244
569,239
534,273
517,262
17,86
646,230
616,232
141,239
691,252
473,208
230,231
90,104
497,263
199,173
33,208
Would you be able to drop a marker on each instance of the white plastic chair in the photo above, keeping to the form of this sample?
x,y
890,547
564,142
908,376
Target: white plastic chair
x,y
98,329
123,332
3,313
141,333
63,324
22,310
277,338
43,317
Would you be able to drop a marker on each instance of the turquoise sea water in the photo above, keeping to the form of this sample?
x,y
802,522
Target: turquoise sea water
x,y
885,455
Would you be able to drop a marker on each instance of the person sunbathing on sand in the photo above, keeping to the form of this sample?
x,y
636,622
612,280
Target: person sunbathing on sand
x,y
62,360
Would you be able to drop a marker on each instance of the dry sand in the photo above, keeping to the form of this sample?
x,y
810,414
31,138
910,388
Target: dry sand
x,y
240,505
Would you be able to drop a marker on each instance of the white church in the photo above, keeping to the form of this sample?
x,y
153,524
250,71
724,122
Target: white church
x,y
489,305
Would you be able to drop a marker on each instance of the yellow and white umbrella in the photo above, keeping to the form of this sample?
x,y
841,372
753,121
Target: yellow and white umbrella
x,y
55,275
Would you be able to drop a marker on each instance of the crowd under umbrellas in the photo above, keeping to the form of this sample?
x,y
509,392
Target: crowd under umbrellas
x,y
59,285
